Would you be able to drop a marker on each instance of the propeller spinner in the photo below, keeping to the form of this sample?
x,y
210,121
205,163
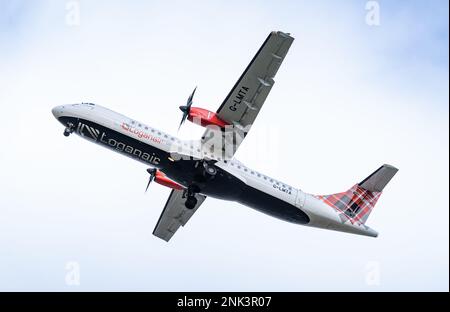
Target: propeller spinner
x,y
186,108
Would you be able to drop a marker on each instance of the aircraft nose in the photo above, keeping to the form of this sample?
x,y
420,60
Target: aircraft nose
x,y
57,111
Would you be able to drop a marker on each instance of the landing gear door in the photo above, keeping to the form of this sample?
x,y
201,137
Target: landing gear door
x,y
300,200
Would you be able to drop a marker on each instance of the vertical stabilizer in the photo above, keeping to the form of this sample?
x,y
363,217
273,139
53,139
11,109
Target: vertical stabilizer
x,y
357,203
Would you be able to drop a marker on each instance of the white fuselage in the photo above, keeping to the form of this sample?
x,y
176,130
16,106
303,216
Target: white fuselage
x,y
155,148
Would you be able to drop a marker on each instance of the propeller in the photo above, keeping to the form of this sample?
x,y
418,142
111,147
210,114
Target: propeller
x,y
152,173
186,108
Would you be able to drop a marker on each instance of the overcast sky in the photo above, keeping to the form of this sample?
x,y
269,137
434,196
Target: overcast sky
x,y
349,97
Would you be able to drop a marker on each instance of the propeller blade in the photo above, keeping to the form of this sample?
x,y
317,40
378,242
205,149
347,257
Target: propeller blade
x,y
189,102
148,184
182,120
152,173
186,108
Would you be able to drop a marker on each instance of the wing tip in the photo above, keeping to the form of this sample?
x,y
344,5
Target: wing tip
x,y
282,34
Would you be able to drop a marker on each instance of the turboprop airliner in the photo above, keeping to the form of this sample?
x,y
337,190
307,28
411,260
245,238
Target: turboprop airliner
x,y
206,167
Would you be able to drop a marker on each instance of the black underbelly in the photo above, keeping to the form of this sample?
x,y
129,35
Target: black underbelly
x,y
226,186
192,172
272,206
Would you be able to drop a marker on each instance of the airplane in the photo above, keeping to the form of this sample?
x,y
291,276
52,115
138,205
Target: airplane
x,y
206,167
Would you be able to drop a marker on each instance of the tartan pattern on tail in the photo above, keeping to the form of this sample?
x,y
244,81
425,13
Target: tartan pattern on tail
x,y
355,204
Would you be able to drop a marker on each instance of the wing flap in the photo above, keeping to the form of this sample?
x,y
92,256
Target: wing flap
x,y
175,214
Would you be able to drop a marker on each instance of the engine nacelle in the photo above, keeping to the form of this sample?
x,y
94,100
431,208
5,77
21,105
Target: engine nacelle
x,y
205,117
162,179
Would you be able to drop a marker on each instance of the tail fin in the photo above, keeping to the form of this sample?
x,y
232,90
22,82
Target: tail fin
x,y
357,203
379,179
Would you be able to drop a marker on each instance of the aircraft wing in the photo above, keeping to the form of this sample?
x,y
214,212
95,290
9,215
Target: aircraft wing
x,y
246,98
175,214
